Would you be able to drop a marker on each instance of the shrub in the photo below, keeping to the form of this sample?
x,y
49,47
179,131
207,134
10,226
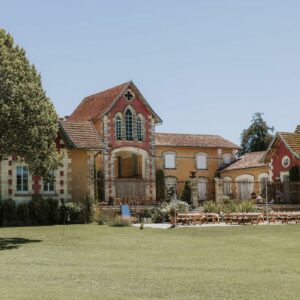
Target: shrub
x,y
158,214
8,212
226,199
211,207
160,185
71,212
52,213
103,217
100,186
39,210
247,206
230,206
186,194
88,209
178,207
169,193
119,222
22,214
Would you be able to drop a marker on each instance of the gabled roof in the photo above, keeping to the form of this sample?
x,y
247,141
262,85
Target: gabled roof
x,y
192,140
97,105
248,160
81,135
290,139
293,141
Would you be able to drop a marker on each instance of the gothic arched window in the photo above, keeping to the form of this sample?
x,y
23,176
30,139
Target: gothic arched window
x,y
139,129
128,123
118,128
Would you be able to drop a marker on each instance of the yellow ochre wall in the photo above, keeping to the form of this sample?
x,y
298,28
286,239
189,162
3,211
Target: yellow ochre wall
x,y
186,162
79,174
233,174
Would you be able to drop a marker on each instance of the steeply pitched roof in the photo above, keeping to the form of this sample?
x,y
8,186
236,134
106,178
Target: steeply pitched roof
x,y
193,140
248,160
292,140
81,135
95,106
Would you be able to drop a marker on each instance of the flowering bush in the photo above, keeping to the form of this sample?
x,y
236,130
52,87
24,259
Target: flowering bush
x,y
161,214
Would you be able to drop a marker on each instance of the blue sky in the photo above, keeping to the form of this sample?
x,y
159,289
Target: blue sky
x,y
204,66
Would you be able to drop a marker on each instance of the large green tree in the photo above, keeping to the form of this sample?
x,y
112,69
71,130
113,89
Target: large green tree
x,y
257,136
28,121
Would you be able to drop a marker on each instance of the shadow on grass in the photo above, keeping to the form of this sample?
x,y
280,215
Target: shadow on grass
x,y
14,242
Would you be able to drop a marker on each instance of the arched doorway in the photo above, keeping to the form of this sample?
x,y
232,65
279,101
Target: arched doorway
x,y
130,175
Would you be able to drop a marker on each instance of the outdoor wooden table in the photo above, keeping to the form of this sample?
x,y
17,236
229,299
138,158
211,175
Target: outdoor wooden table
x,y
214,218
190,218
243,218
284,217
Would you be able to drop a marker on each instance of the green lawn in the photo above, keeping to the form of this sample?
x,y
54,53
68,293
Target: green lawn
x,y
99,262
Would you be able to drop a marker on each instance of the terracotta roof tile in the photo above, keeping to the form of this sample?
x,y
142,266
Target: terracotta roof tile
x,y
193,140
248,160
94,106
81,135
292,140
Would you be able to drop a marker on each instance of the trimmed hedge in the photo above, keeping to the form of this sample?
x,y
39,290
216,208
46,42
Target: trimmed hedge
x,y
40,211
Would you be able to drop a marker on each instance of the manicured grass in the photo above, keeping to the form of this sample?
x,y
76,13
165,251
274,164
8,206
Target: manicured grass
x,y
99,262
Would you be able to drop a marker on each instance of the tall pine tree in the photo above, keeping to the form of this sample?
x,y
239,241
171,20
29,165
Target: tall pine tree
x,y
28,121
257,136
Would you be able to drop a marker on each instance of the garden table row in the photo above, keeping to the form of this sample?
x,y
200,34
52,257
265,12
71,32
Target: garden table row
x,y
197,218
243,218
284,217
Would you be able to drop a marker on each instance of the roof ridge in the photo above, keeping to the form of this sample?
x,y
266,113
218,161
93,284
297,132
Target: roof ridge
x,y
203,134
106,90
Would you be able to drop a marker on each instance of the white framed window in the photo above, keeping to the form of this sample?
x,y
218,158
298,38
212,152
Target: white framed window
x,y
22,179
245,186
202,188
227,182
201,161
170,160
226,159
118,128
49,184
140,128
128,124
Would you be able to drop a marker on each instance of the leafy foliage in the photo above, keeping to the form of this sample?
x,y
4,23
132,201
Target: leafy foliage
x,y
100,186
103,217
28,121
257,136
88,208
160,185
211,207
160,214
119,222
169,193
294,174
186,194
